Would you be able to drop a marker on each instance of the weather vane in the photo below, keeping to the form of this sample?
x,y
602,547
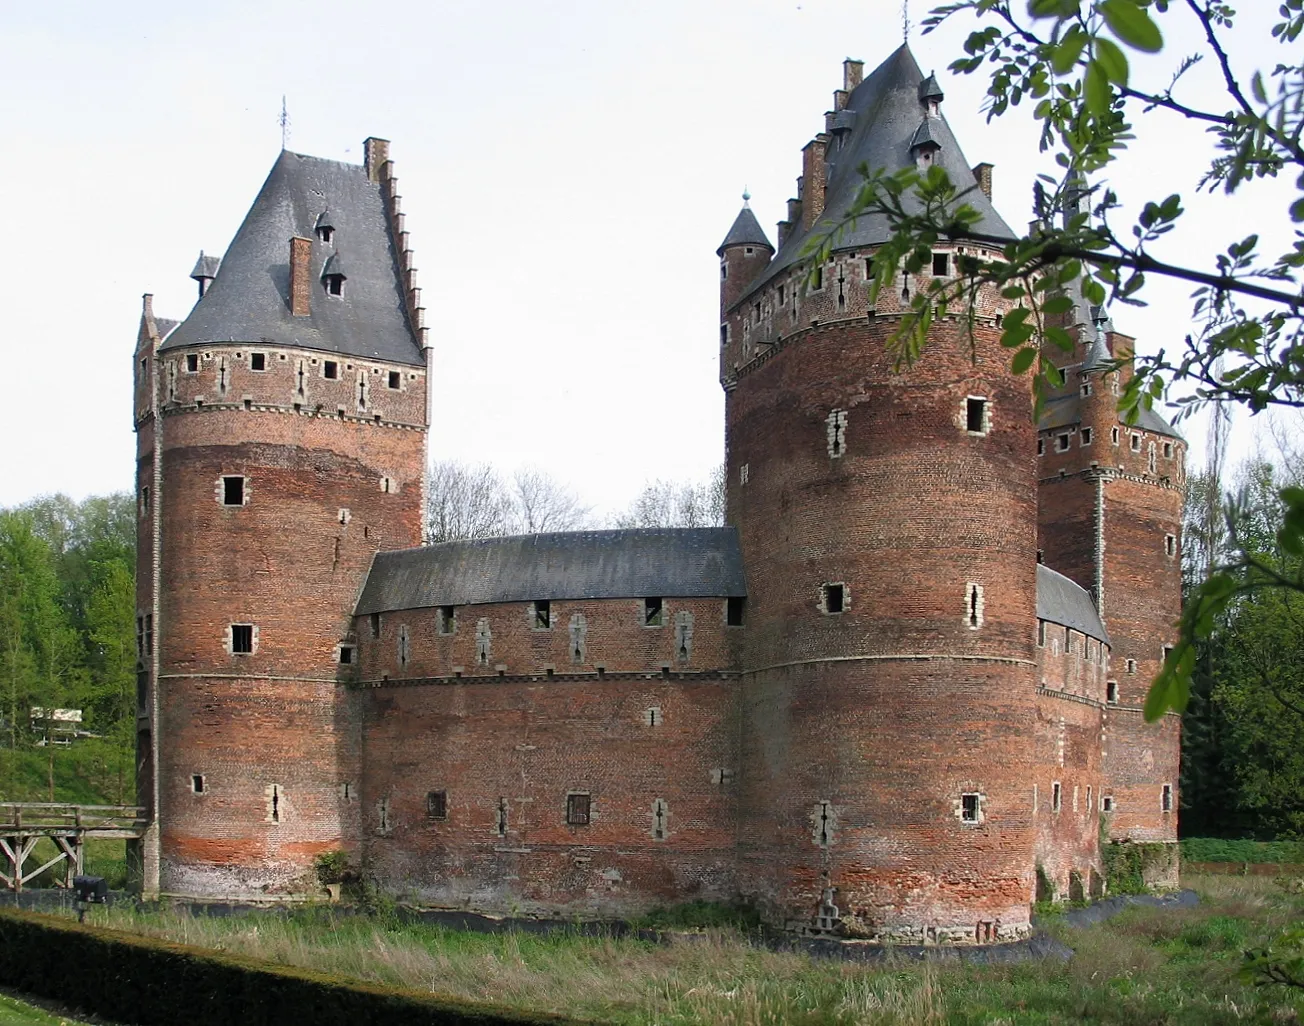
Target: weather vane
x,y
905,21
284,122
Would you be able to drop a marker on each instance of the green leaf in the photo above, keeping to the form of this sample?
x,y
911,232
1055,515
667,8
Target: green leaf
x,y
1068,50
1095,89
1113,60
1023,360
1132,24
1057,305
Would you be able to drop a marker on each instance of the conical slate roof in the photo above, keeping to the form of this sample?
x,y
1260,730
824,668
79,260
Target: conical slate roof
x,y
249,300
206,266
746,231
889,111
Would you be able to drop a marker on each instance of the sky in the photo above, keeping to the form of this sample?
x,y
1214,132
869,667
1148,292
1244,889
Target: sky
x,y
567,170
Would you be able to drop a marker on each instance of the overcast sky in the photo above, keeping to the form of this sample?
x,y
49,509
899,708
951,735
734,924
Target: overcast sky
x,y
568,170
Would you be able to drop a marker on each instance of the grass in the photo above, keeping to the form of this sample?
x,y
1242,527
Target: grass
x,y
1146,965
19,1013
1217,849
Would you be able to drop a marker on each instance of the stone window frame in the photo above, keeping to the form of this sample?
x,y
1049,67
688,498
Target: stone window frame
x,y
1107,804
221,491
1041,446
445,620
1169,450
1064,441
985,412
1135,441
579,813
1111,692
253,639
252,356
1056,797
1129,666
974,605
540,613
351,649
191,364
1114,435
437,805
1166,799
1085,436
974,816
654,615
1170,546
835,433
199,784
822,603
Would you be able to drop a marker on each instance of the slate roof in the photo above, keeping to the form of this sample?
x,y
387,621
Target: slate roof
x,y
248,301
693,562
1064,410
888,113
746,231
1061,601
206,266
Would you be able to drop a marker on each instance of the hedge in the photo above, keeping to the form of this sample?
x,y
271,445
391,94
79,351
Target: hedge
x,y
1217,849
142,980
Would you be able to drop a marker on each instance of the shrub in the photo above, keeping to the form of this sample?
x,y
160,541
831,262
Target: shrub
x,y
1217,849
701,915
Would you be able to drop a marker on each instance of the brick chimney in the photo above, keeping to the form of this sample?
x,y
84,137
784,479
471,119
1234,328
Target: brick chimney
x,y
300,277
983,175
853,73
376,154
812,177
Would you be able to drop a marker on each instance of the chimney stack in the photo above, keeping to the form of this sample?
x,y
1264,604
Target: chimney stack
x,y
853,73
983,175
300,276
812,179
376,155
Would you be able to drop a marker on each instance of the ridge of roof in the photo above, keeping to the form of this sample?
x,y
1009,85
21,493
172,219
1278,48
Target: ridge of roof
x,y
248,300
888,111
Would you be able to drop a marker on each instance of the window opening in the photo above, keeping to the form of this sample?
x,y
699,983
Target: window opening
x,y
659,820
1111,692
233,491
276,804
1170,545
437,804
836,432
1113,435
447,619
976,415
733,611
940,264
1107,803
974,606
825,835
1166,798
375,625
1041,633
197,783
834,598
1041,447
653,615
403,645
1090,804
1136,443
969,808
346,655
242,638
335,284
1168,650
577,810
500,824
817,279
330,370
724,335
192,363
1168,450
1086,436
362,393
1062,442
258,361
1086,389
542,613
1056,796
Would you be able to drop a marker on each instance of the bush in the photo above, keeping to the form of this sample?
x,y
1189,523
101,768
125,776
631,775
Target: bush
x,y
146,981
1126,864
700,915
1216,849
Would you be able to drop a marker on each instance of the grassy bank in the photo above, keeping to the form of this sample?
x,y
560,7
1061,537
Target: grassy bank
x,y
1145,965
1217,849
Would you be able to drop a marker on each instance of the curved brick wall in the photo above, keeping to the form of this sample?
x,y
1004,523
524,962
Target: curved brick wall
x,y
862,731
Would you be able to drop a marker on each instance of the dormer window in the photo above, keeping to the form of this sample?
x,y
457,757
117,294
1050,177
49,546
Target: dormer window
x,y
335,284
333,276
324,229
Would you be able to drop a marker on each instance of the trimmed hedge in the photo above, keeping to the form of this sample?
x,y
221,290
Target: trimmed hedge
x,y
146,981
1217,849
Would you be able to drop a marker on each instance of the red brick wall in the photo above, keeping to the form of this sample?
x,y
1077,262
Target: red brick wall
x,y
894,709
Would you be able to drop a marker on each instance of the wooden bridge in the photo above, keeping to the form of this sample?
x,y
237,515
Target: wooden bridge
x,y
23,824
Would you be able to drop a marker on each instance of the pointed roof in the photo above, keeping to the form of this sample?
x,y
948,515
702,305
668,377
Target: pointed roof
x,y
324,220
249,300
1097,353
206,266
924,134
334,265
746,231
930,90
888,110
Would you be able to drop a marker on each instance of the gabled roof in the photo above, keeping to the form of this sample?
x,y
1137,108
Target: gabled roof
x,y
888,113
746,231
695,562
248,301
1061,601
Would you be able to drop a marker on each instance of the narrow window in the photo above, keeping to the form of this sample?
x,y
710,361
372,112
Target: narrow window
x,y
1168,450
577,810
969,808
144,500
500,821
940,265
1136,443
1166,798
1041,555
834,598
1056,796
447,619
330,370
817,279
835,429
743,474
652,612
1170,546
1168,650
1131,666
733,611
395,379
1090,804
542,614
974,606
724,335
1111,692
1086,389
375,625
659,820
1086,436
197,783
192,363
976,415
756,319
258,361
242,638
404,649
437,804
233,491
149,633
1041,447
346,655
1062,442
1107,803
1150,457
140,636
783,295
274,804
1113,435
724,271
1041,633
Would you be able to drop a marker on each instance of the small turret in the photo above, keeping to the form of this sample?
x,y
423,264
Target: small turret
x,y
205,271
744,253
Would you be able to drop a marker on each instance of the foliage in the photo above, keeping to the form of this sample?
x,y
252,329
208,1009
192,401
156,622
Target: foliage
x,y
469,501
1279,963
334,867
700,915
671,504
1126,864
1078,67
1217,849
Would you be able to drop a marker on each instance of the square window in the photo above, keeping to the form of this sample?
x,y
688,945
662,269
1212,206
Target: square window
x,y
653,615
192,363
542,614
969,808
447,619
346,655
242,638
197,783
395,379
975,415
1062,442
1086,436
834,598
233,491
1111,692
258,361
733,611
437,804
577,810
330,370
941,265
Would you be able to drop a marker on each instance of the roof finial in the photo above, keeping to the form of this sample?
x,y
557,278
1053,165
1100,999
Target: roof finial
x,y
284,122
905,21
747,197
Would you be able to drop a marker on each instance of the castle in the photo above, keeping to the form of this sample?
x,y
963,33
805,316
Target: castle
x,y
896,697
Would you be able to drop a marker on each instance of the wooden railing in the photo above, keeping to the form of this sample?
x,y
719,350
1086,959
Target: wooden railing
x,y
67,825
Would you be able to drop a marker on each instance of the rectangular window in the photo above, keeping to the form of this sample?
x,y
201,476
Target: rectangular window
x,y
940,265
346,655
140,636
1170,546
733,611
577,810
1168,450
1086,436
1136,443
1107,803
258,361
1131,666
834,598
783,295
144,499
1113,435
816,278
724,335
375,625
1086,389
149,634
233,491
395,379
1111,692
652,612
437,804
447,619
969,808
242,638
1041,447
542,614
1168,650
197,783
192,363
1056,796
976,415
1166,798
330,370
1041,633
1062,442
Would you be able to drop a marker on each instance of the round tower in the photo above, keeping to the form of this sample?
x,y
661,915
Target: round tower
x,y
288,430
888,524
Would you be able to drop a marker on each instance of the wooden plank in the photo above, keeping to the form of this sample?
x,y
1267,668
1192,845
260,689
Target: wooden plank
x,y
59,857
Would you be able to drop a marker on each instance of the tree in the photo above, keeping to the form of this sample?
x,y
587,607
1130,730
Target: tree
x,y
540,503
468,501
1078,66
671,504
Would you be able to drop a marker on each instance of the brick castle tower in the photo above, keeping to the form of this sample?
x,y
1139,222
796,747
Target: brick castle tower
x,y
281,442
